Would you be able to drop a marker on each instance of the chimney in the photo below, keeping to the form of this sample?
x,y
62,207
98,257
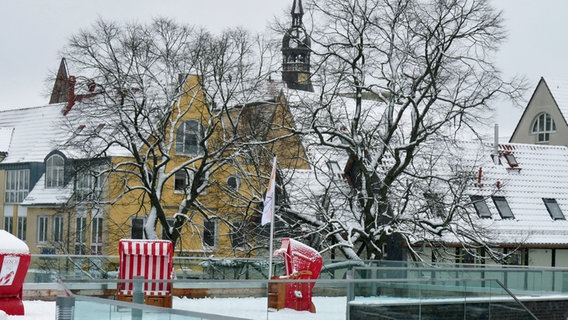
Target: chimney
x,y
71,97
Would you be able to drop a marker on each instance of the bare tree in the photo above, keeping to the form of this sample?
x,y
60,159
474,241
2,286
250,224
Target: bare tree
x,y
399,82
163,100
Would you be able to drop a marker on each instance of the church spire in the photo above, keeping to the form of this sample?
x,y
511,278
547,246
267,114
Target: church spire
x,y
60,91
296,50
297,13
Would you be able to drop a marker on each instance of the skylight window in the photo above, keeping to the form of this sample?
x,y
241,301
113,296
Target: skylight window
x,y
511,160
79,129
503,208
481,206
553,209
99,128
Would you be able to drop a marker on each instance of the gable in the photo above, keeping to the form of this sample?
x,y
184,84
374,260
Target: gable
x,y
550,98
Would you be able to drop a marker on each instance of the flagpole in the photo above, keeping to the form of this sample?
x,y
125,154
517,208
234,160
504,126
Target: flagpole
x,y
270,244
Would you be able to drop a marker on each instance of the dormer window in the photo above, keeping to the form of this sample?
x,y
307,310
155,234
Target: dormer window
x,y
543,125
503,208
54,172
553,209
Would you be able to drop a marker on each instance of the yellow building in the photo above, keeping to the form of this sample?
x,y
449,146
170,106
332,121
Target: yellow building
x,y
59,201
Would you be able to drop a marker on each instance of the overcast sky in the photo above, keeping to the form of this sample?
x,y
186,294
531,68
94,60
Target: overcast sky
x,y
32,32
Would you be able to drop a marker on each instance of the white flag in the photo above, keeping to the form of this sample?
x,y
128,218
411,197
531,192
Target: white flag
x,y
269,200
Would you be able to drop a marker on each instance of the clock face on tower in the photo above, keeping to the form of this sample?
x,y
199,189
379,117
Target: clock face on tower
x,y
293,43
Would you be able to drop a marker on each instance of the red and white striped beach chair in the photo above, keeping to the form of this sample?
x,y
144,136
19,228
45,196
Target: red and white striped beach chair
x,y
151,259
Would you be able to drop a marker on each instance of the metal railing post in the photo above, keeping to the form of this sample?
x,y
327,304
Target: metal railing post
x,y
138,297
349,276
65,307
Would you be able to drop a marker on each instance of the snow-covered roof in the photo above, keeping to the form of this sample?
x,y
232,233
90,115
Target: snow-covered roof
x,y
541,173
40,195
5,138
10,244
29,134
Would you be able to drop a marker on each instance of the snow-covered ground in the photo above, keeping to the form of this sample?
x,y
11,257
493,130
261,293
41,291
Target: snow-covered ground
x,y
328,308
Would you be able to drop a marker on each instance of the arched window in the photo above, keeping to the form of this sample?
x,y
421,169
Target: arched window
x,y
234,182
543,125
54,172
189,135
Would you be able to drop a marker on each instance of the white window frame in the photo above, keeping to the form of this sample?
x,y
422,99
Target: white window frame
x,y
9,224
80,235
17,185
214,230
22,228
190,129
58,223
97,232
42,229
90,183
543,125
55,172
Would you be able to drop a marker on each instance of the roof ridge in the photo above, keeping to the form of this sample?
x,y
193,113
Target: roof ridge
x,y
34,107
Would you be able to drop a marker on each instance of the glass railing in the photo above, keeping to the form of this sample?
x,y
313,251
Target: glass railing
x,y
428,298
520,280
87,308
481,287
49,268
391,298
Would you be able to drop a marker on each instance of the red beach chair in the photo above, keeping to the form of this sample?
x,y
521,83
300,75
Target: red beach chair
x,y
14,262
152,260
301,262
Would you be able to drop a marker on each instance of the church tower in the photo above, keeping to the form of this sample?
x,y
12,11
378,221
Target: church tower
x,y
296,51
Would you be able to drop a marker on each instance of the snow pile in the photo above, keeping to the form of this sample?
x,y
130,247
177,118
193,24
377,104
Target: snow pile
x,y
328,308
10,244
